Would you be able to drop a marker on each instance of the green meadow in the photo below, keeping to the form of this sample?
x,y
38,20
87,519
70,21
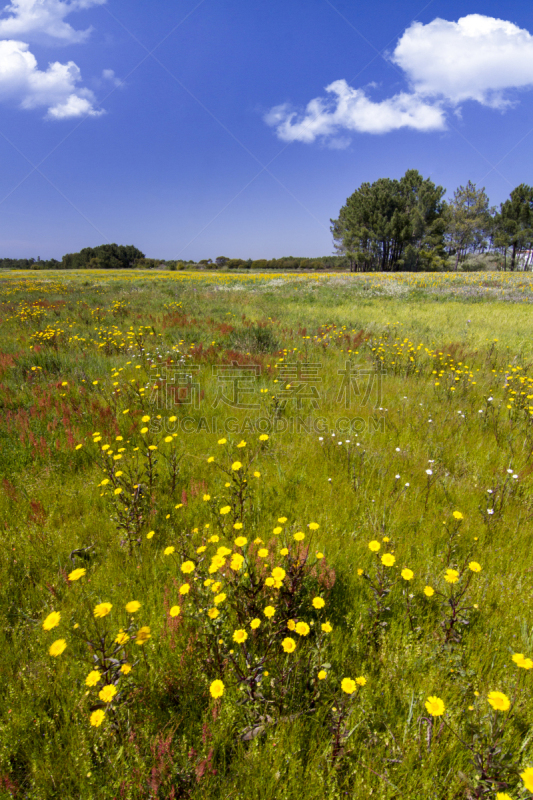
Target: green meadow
x,y
266,536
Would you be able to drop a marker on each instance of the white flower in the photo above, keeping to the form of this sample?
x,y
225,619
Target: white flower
x,y
490,491
510,471
397,476
490,511
429,472
397,449
515,476
407,484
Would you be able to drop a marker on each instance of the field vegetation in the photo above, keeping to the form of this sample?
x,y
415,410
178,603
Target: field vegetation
x,y
266,537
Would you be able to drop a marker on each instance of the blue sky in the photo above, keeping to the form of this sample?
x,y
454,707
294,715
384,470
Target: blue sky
x,y
197,129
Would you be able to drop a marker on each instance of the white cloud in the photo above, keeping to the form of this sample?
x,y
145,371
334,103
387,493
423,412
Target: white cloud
x,y
43,21
56,89
350,109
109,75
477,58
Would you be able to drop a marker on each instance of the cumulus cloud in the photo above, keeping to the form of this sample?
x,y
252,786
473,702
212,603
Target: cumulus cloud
x,y
43,21
21,81
477,58
56,88
350,109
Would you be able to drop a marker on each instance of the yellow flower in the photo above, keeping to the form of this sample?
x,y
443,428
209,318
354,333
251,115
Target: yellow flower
x,y
210,459
288,644
361,681
429,591
474,566
107,693
76,574
255,623
216,689
240,541
240,636
242,443
278,573
269,611
207,497
262,553
326,627
57,647
320,555
175,611
299,536
102,610
150,534
92,678
318,602
374,546
143,634
51,621
257,474
213,539
213,613
168,439
132,607
291,625
457,515
387,559
146,418
263,437
225,510
284,551
435,706
313,526
169,550
187,566
238,526
451,576
217,562
236,466
348,685
499,701
118,491
527,777
97,717
126,669
201,549
122,637
277,530
216,586
223,551
236,561
322,675
407,574
503,796
302,628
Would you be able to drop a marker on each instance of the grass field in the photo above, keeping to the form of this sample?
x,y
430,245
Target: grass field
x,y
266,536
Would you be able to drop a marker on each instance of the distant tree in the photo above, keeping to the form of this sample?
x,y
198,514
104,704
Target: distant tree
x,y
513,225
391,225
105,256
469,221
221,261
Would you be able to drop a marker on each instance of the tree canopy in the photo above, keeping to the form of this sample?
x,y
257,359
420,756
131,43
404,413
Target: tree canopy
x,y
105,256
393,224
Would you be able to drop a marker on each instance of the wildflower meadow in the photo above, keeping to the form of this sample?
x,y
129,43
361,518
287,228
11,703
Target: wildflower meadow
x,y
266,536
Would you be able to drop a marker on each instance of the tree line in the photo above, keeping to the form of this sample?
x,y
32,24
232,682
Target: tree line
x,y
406,224
387,226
